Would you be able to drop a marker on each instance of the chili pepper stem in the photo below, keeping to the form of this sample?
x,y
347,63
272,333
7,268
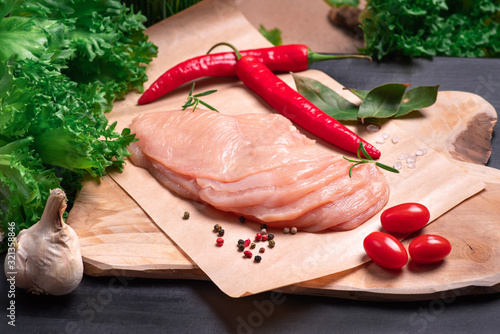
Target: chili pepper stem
x,y
313,57
238,54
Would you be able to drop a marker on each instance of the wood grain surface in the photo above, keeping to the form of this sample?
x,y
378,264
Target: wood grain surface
x,y
118,237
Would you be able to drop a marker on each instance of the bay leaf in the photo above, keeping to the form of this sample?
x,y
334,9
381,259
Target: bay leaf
x,y
326,99
382,101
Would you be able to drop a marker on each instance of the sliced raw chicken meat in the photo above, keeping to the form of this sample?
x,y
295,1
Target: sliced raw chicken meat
x,y
258,166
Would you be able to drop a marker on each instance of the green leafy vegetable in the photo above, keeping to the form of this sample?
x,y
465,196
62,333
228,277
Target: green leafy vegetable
x,y
385,101
273,36
340,3
158,10
62,65
463,28
362,152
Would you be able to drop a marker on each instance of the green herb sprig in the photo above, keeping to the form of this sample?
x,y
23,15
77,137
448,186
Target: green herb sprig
x,y
193,100
368,159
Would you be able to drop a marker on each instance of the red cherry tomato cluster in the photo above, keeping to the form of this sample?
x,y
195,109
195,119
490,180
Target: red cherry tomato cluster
x,y
388,252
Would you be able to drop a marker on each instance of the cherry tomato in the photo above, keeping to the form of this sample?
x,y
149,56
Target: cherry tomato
x,y
405,218
429,248
385,250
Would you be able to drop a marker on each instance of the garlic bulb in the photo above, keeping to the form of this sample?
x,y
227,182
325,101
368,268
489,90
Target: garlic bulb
x,y
47,255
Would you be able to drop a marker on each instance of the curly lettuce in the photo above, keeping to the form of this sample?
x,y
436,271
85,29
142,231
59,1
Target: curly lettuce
x,y
62,65
459,28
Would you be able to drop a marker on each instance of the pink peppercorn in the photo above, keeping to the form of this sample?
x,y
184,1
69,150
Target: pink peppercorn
x,y
258,236
220,241
247,254
264,237
247,242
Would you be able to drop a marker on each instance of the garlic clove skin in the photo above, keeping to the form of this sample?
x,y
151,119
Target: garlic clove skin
x,y
47,255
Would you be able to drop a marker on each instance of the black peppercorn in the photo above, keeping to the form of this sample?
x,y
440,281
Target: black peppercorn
x,y
257,258
221,232
270,236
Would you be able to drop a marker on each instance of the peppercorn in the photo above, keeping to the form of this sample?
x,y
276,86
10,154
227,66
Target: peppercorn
x,y
257,258
270,236
263,231
241,242
241,248
252,245
264,237
217,227
221,232
186,215
248,254
262,250
242,219
220,241
247,242
271,243
258,236
263,226
293,230
286,230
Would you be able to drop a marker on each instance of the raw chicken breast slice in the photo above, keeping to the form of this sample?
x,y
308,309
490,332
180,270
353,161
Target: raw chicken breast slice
x,y
259,188
258,166
221,147
337,190
364,203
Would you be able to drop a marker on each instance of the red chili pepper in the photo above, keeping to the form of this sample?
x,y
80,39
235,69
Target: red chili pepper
x,y
286,58
291,104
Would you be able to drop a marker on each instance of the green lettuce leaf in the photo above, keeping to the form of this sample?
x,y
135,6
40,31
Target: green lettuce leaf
x,y
431,28
62,65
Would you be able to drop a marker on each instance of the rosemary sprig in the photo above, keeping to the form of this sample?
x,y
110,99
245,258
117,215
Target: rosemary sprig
x,y
362,150
193,100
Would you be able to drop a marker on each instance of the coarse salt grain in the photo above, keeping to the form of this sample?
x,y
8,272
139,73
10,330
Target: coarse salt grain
x,y
380,140
385,135
372,128
403,156
395,139
421,151
411,159
411,165
397,165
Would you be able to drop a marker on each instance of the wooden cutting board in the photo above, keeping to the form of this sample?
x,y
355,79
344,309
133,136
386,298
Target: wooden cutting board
x,y
119,239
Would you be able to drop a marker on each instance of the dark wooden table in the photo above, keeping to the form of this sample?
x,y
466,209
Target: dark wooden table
x,y
133,305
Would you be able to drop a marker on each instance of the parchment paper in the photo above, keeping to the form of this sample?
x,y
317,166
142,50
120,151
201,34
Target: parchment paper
x,y
435,182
